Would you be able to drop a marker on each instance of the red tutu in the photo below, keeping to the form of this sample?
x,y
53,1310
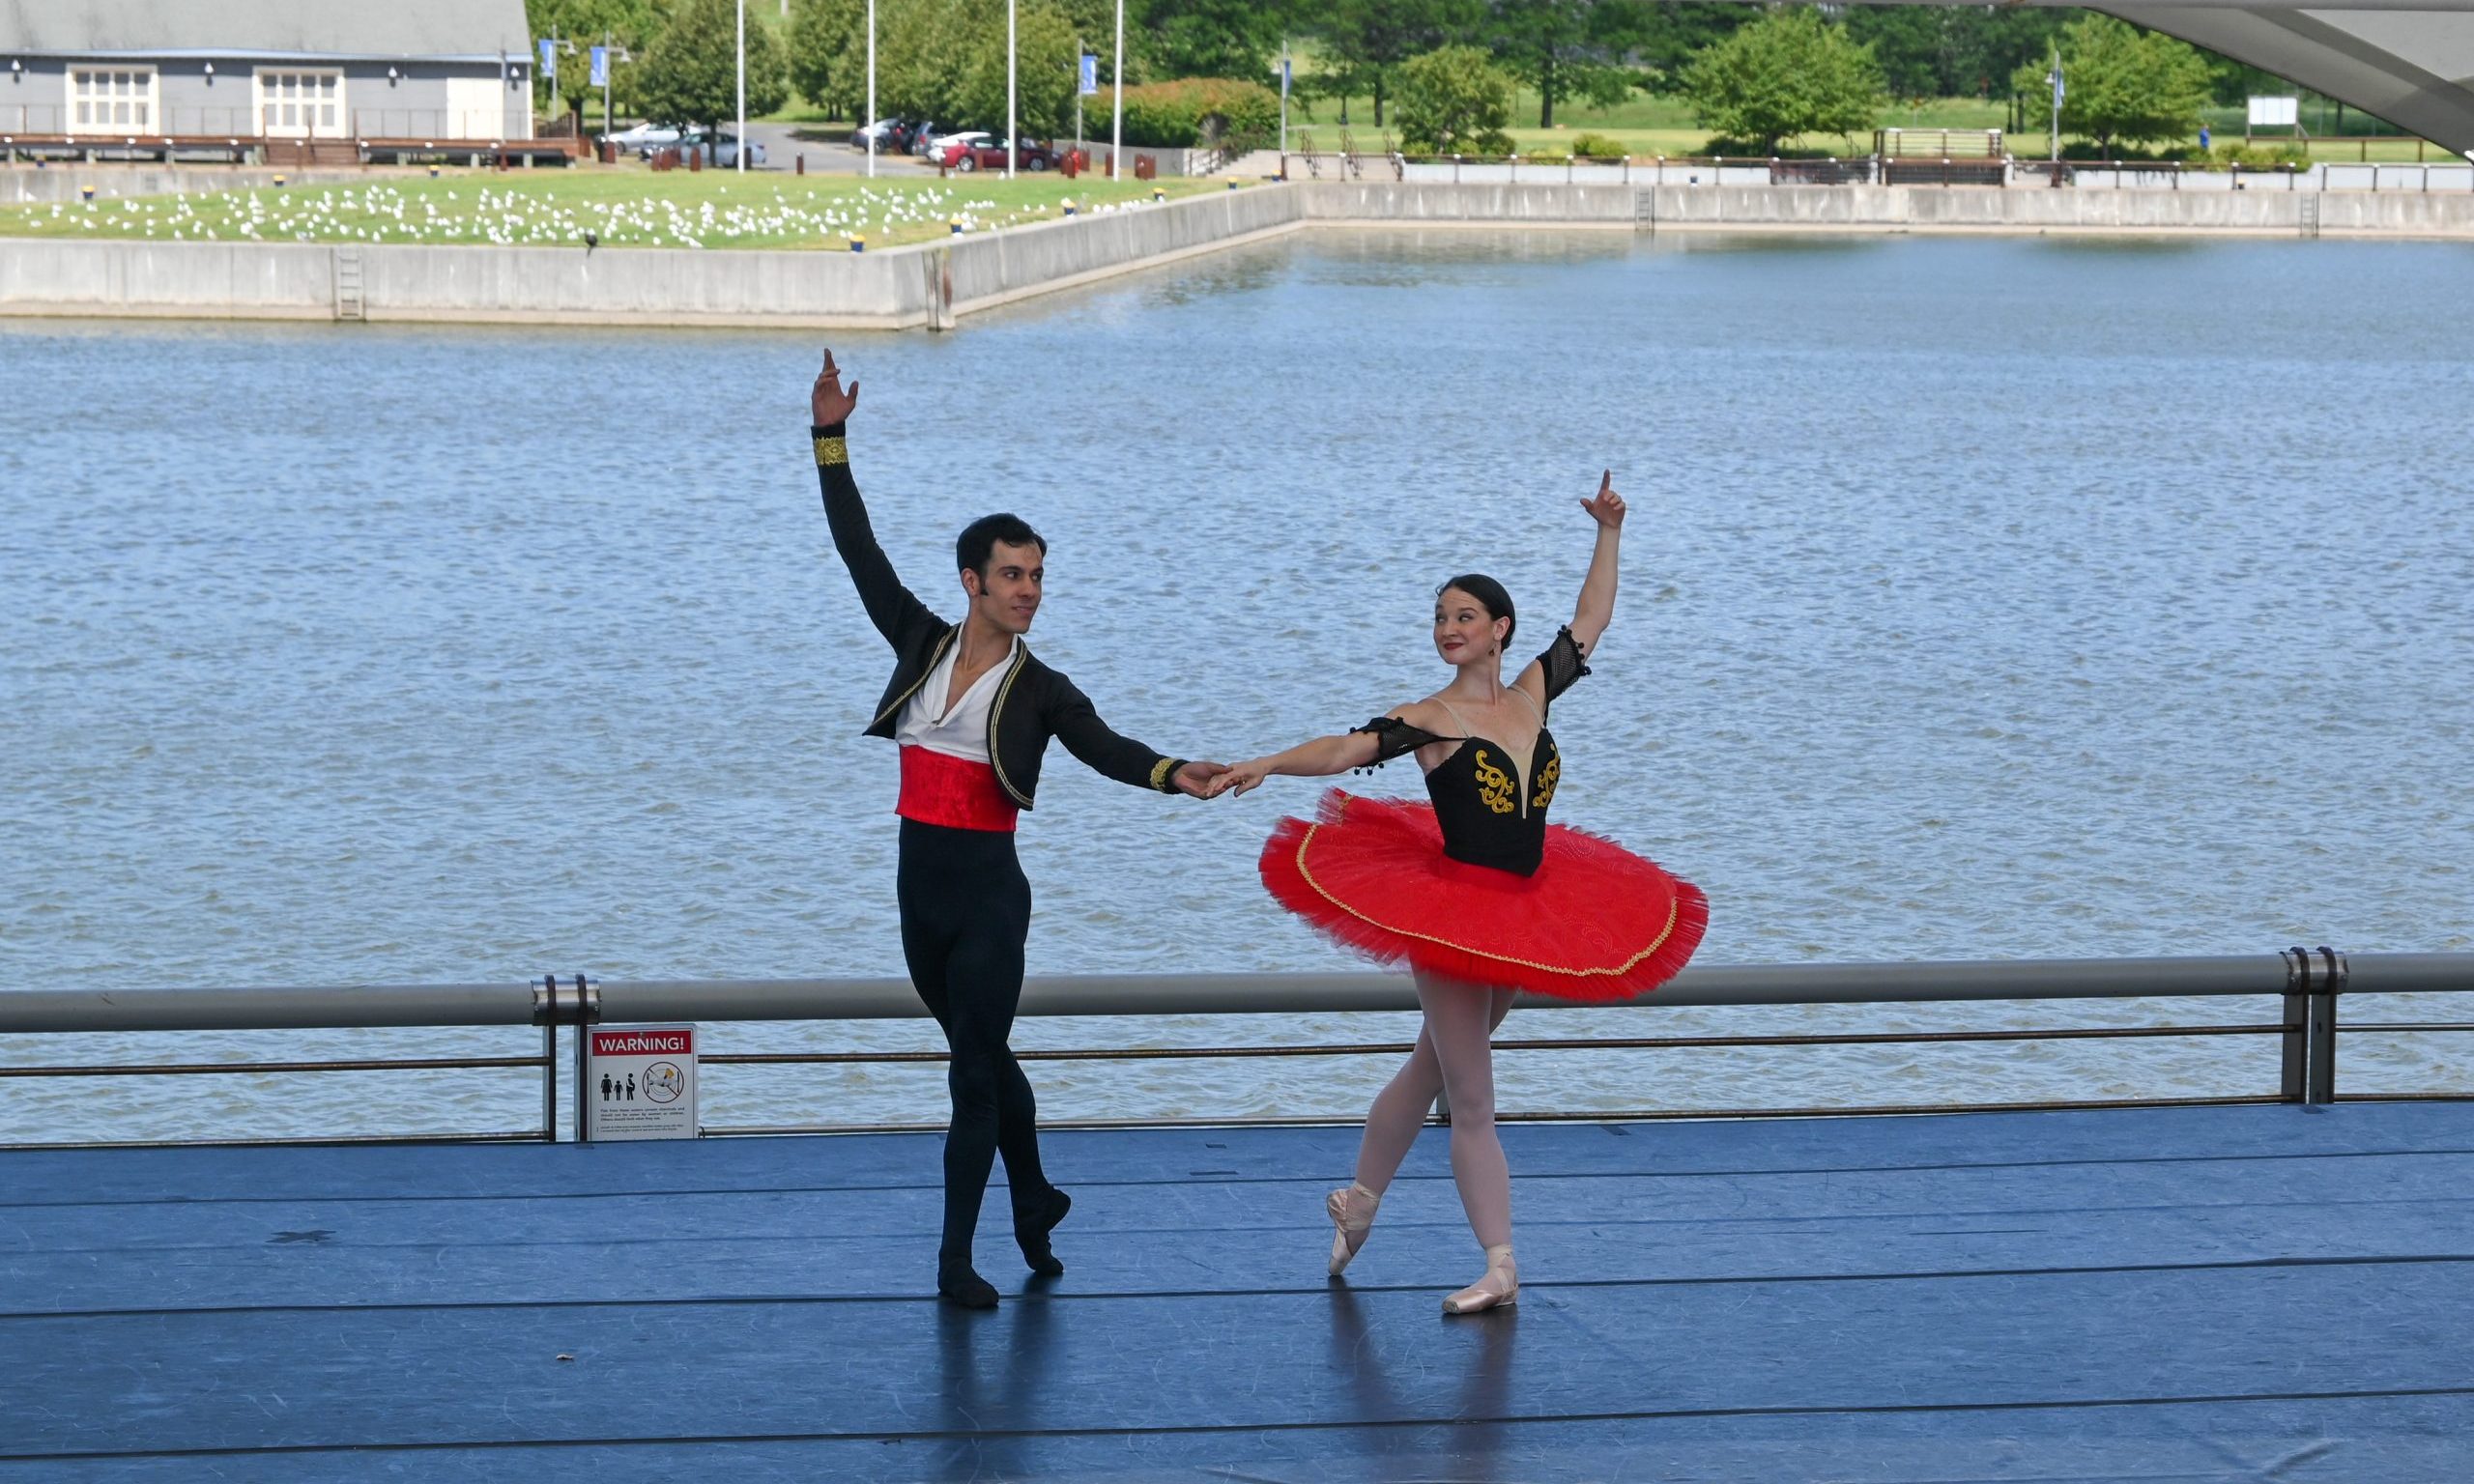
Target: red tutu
x,y
1596,922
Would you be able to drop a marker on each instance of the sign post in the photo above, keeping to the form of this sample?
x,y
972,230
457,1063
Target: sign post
x,y
639,1082
1088,84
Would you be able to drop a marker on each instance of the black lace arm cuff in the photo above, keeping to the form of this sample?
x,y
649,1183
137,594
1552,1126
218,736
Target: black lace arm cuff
x,y
1562,663
1394,737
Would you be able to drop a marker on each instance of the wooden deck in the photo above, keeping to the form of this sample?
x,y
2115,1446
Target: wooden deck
x,y
2193,1294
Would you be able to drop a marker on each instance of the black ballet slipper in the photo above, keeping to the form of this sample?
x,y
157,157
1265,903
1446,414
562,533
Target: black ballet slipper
x,y
1031,1229
962,1286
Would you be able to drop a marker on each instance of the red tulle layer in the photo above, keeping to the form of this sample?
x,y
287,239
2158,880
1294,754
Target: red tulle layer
x,y
1596,922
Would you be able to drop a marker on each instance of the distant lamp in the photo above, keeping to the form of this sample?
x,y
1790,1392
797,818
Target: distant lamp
x,y
209,69
393,77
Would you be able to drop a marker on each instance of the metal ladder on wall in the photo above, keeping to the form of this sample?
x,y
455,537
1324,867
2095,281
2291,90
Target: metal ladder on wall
x,y
2310,214
348,299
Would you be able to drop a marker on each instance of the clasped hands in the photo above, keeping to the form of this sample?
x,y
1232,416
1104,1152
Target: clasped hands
x,y
1211,780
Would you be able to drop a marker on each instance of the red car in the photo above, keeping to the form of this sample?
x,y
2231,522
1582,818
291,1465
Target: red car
x,y
986,153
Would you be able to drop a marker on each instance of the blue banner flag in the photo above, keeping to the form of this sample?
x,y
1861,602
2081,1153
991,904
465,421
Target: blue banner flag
x,y
549,58
1090,72
601,66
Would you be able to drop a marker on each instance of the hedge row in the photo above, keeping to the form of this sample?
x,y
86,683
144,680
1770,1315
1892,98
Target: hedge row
x,y
1183,114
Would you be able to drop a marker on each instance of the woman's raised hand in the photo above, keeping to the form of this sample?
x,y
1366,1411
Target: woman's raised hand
x,y
1607,507
827,402
1240,778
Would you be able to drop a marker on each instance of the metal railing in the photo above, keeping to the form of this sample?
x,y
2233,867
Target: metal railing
x,y
2307,985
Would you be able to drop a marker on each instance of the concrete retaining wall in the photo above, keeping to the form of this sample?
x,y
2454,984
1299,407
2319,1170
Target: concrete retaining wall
x,y
930,284
1005,265
935,284
1928,208
238,280
1499,203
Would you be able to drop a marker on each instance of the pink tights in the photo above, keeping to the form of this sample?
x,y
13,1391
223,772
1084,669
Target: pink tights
x,y
1454,1055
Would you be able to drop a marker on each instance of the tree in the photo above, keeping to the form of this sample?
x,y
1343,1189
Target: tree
x,y
1454,100
1786,74
827,47
1673,32
1210,38
2122,83
1568,48
1045,72
1365,41
690,75
627,23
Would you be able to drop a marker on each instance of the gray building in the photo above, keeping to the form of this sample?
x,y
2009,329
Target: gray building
x,y
258,71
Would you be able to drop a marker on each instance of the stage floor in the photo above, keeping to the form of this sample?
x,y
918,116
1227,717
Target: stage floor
x,y
2186,1294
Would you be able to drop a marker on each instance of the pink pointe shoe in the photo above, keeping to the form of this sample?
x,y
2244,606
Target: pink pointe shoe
x,y
1500,1288
1352,1212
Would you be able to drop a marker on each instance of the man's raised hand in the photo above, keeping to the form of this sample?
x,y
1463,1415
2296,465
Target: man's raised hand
x,y
827,402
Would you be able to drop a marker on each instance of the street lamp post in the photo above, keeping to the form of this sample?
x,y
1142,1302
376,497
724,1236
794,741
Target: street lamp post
x,y
1116,112
742,87
871,89
1012,125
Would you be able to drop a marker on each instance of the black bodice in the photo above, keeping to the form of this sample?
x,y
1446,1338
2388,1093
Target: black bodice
x,y
1487,816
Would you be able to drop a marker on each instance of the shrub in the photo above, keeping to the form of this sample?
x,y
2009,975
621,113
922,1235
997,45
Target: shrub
x,y
1545,155
1586,146
2262,157
1184,113
1454,100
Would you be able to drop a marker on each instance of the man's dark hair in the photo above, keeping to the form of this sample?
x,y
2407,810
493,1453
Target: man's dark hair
x,y
980,537
1490,596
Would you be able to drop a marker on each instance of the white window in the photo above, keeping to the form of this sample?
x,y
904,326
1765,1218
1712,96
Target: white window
x,y
114,97
300,104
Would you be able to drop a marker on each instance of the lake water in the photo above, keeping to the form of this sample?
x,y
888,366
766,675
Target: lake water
x,y
1982,598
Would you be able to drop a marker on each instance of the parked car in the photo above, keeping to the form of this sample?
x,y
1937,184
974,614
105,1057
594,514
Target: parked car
x,y
937,145
989,153
925,136
644,138
720,149
892,136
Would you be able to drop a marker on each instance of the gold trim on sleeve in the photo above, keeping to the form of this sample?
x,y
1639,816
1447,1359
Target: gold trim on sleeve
x,y
1159,774
830,451
1673,908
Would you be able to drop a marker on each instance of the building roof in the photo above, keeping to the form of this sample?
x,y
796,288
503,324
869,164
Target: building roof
x,y
341,28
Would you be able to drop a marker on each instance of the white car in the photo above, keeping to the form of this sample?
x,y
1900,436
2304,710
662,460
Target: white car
x,y
935,149
720,150
645,136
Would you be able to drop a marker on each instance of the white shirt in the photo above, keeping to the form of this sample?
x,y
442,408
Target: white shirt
x,y
961,732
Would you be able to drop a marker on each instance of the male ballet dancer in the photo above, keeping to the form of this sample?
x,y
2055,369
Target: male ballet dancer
x,y
972,711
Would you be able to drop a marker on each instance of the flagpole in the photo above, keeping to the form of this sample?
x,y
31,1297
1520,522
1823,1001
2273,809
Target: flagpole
x,y
742,87
2054,134
1012,127
1116,112
871,89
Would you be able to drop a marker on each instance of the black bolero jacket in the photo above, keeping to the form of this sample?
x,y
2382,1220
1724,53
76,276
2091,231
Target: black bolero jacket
x,y
1033,702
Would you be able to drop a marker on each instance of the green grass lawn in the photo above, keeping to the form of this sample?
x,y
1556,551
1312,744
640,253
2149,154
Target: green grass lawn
x,y
621,208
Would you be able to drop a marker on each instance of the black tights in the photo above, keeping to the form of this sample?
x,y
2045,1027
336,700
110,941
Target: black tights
x,y
966,911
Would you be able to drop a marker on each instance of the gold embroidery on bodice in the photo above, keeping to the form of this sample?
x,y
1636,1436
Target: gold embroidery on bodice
x,y
1494,784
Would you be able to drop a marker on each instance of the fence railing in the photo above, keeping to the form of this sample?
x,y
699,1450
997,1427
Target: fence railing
x,y
2306,985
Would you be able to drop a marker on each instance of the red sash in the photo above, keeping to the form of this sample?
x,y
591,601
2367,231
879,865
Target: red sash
x,y
952,791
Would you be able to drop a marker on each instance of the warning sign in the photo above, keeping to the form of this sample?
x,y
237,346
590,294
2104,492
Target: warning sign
x,y
639,1082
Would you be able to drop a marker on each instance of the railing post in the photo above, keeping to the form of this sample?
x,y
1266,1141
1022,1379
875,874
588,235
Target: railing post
x,y
2294,1083
552,1007
2323,1026
2310,1060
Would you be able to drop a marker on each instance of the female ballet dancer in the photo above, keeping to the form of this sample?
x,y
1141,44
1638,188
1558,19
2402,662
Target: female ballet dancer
x,y
1475,891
